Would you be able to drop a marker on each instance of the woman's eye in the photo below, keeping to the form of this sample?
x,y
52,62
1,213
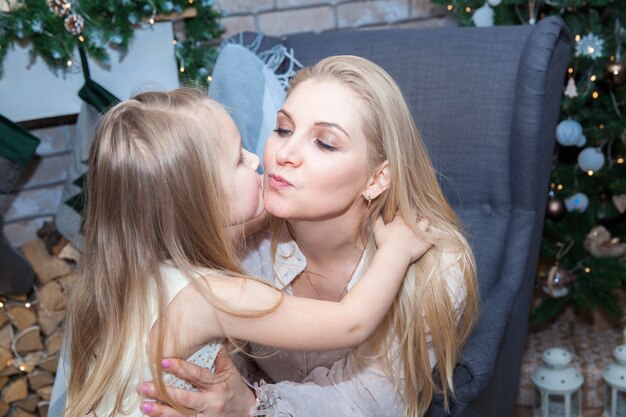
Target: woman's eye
x,y
282,132
324,146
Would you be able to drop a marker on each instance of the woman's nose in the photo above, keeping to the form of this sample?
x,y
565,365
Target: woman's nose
x,y
288,152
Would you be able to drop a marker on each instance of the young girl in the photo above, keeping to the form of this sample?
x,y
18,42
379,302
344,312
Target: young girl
x,y
169,191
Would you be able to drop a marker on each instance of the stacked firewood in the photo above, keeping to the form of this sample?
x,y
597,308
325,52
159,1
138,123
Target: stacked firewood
x,y
31,331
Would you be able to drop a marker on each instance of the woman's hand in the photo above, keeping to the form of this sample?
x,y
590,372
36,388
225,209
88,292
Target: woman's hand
x,y
223,394
402,237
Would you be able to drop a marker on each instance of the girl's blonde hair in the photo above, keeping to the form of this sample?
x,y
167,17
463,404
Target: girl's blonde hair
x,y
424,305
154,195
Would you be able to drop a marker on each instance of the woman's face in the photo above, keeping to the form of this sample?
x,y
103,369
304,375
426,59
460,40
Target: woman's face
x,y
316,159
243,184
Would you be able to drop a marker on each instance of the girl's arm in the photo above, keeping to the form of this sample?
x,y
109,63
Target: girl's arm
x,y
307,324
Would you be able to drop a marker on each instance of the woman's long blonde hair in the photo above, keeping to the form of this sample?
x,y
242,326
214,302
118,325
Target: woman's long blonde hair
x,y
154,195
424,305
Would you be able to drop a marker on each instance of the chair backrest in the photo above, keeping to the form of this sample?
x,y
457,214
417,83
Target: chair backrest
x,y
487,102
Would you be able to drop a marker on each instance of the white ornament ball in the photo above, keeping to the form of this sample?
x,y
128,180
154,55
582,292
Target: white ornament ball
x,y
577,203
483,16
591,159
569,132
494,3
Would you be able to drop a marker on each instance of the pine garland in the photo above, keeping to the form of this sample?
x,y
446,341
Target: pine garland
x,y
55,28
596,99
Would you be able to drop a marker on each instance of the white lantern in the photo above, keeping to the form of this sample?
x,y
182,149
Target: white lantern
x,y
615,377
557,386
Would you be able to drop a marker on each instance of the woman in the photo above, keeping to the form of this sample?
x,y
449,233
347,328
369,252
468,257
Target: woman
x,y
344,151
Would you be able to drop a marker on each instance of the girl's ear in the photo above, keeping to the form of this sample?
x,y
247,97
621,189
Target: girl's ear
x,y
377,182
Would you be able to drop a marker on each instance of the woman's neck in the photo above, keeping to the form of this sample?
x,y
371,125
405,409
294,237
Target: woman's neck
x,y
325,243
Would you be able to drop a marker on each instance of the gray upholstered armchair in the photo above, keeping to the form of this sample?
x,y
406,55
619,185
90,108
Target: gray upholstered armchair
x,y
487,102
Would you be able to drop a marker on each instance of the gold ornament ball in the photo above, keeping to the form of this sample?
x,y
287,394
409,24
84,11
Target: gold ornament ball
x,y
557,282
616,73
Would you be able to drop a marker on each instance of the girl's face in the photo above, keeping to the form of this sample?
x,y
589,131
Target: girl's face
x,y
316,158
243,184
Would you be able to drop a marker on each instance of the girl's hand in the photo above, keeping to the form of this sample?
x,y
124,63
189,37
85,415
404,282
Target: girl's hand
x,y
223,394
401,238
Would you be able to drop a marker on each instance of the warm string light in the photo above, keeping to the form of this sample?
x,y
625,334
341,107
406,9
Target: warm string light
x,y
209,78
570,70
174,42
601,126
619,160
590,173
587,269
151,21
450,7
577,38
468,9
595,95
593,78
557,186
80,38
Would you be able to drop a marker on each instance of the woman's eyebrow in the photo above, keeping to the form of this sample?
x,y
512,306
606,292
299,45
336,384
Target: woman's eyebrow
x,y
283,111
334,126
324,124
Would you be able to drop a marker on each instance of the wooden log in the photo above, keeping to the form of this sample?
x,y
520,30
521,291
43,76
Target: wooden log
x,y
5,357
29,403
45,392
50,321
15,391
39,378
50,363
46,266
22,413
4,408
69,252
54,342
3,381
22,317
9,371
3,318
42,407
67,281
52,297
6,336
29,340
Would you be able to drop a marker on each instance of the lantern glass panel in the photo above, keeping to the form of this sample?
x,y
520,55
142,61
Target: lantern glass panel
x,y
621,404
556,405
537,411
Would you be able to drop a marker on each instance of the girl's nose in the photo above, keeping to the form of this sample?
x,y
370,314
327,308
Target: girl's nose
x,y
252,159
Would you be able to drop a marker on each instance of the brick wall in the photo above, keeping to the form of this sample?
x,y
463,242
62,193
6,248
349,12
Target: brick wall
x,y
283,17
37,195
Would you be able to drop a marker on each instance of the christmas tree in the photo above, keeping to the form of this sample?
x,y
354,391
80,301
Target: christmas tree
x,y
584,240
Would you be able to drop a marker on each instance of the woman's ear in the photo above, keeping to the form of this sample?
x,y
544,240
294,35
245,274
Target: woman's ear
x,y
377,182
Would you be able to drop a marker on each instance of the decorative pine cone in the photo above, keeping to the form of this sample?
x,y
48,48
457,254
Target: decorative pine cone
x,y
59,7
74,24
